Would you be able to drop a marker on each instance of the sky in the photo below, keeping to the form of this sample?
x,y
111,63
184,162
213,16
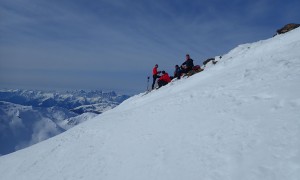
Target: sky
x,y
114,44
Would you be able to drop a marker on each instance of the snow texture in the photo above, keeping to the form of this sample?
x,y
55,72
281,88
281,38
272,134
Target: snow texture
x,y
238,119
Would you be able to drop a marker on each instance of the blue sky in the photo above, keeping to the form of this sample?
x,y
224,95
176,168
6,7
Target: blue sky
x,y
114,44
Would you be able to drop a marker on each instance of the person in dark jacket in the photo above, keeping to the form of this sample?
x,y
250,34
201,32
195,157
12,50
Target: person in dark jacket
x,y
188,64
155,74
177,72
164,79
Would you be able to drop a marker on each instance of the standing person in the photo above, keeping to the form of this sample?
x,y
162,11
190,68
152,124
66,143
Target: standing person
x,y
164,79
188,64
155,75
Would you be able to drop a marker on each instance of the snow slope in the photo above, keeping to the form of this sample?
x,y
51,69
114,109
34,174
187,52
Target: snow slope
x,y
236,120
66,124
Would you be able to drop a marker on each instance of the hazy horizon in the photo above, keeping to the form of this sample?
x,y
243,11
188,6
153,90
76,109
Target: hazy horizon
x,y
115,44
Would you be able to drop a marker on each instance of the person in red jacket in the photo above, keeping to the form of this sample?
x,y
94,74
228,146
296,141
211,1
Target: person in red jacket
x,y
164,79
155,75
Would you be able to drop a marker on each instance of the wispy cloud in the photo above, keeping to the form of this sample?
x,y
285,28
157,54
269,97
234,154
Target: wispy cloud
x,y
112,43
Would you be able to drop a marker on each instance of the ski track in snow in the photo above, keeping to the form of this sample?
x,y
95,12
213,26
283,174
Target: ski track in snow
x,y
236,120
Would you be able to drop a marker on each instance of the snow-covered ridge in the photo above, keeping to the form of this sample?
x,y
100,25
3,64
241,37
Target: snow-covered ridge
x,y
236,120
77,101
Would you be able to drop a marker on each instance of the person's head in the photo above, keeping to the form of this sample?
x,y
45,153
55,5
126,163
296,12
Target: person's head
x,y
163,72
176,66
156,65
187,56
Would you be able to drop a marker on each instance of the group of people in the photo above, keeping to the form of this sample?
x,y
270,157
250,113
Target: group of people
x,y
164,78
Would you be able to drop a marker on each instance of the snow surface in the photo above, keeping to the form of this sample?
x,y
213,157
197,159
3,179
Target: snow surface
x,y
73,121
236,120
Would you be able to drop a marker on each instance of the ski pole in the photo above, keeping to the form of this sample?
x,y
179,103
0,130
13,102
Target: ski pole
x,y
148,83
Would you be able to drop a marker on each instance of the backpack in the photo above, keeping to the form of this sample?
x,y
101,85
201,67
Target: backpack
x,y
197,67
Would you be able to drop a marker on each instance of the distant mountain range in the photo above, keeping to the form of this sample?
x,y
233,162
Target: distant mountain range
x,y
22,126
77,101
30,116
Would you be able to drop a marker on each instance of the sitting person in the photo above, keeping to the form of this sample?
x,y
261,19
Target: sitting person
x,y
177,72
187,65
164,79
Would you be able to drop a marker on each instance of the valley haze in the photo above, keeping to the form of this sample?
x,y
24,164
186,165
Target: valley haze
x,y
31,116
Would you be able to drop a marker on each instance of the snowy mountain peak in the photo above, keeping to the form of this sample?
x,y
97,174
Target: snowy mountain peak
x,y
238,119
72,100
